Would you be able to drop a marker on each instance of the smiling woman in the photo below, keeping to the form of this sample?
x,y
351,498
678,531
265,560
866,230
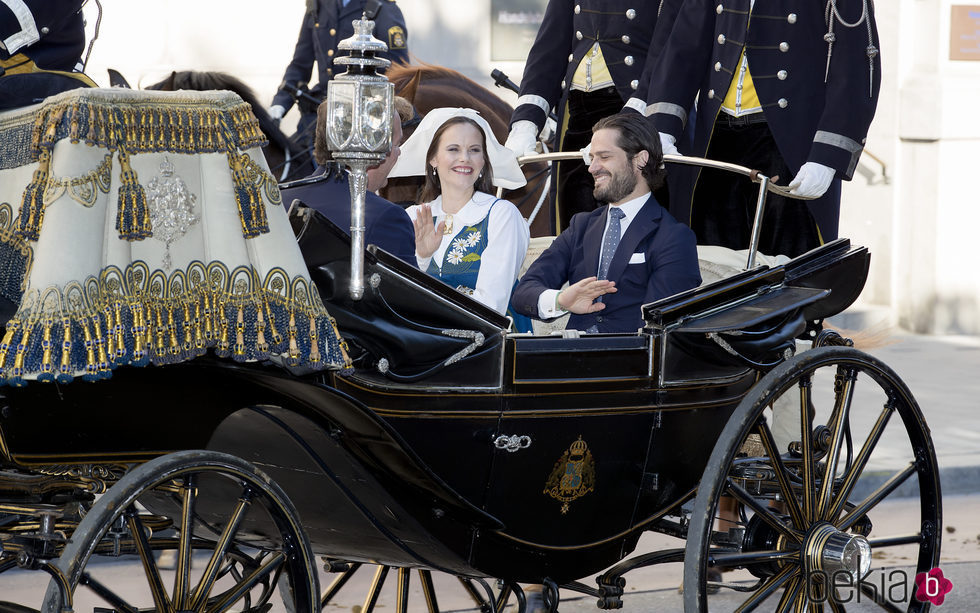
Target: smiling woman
x,y
459,225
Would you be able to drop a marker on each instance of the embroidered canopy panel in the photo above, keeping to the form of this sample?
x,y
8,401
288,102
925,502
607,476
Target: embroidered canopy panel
x,y
142,227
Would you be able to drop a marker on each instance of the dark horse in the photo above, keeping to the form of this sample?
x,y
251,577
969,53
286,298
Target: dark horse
x,y
286,159
427,87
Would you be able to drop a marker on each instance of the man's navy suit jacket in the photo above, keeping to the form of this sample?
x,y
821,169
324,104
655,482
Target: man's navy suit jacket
x,y
386,224
657,257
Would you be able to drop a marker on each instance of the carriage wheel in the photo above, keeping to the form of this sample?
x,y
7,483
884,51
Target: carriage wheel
x,y
814,525
239,542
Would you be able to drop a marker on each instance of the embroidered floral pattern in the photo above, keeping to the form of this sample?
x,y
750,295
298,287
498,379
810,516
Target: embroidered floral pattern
x,y
461,245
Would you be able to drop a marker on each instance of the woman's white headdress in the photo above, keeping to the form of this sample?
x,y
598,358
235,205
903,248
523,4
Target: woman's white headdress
x,y
506,171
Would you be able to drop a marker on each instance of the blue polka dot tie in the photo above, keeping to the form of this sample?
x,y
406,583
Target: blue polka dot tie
x,y
609,244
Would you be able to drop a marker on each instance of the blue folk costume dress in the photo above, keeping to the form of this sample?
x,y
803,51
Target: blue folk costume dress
x,y
463,257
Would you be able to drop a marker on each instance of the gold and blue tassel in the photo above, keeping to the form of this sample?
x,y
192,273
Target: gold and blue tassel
x,y
133,214
66,373
315,357
251,208
293,355
47,349
32,205
141,353
239,351
13,326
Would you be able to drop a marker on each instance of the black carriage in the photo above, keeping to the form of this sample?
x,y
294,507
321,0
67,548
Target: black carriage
x,y
454,446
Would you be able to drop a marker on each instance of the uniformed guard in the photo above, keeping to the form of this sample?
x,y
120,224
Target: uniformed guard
x,y
586,63
788,88
326,23
41,46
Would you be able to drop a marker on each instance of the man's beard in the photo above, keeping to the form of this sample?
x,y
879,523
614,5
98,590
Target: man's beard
x,y
618,187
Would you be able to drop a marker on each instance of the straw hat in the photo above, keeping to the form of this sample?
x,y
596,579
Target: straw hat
x,y
412,162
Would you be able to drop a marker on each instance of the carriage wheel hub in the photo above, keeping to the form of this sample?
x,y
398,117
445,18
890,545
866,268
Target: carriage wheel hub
x,y
827,550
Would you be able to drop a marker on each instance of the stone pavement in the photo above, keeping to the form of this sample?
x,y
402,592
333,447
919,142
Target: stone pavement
x,y
943,373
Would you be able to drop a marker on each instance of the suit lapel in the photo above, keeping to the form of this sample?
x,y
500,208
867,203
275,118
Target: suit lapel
x,y
645,223
592,241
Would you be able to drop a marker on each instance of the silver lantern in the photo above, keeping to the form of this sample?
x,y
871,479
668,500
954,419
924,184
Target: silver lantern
x,y
359,106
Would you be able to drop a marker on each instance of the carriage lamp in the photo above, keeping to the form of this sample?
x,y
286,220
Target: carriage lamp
x,y
359,106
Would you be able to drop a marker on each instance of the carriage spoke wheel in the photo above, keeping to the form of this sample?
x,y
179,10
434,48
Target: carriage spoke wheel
x,y
238,541
477,590
798,501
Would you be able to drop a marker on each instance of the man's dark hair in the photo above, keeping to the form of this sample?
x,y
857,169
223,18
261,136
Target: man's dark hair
x,y
635,135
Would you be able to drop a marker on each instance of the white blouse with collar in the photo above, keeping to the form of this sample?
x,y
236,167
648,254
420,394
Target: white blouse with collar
x,y
508,236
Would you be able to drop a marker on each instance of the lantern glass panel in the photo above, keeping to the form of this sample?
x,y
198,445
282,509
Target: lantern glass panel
x,y
340,115
375,115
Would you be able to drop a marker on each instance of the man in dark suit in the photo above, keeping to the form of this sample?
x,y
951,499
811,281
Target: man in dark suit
x,y
617,257
327,190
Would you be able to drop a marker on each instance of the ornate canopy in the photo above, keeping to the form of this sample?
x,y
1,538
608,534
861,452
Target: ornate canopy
x,y
144,227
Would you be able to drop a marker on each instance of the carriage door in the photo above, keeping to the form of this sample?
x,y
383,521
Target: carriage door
x,y
573,437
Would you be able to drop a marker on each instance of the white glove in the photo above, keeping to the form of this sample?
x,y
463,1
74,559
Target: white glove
x,y
586,152
548,131
667,144
812,180
522,138
276,112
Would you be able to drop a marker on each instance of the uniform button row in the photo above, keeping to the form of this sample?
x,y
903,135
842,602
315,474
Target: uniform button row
x,y
791,18
630,13
781,75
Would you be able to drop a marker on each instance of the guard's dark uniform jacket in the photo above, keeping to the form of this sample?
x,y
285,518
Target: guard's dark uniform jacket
x,y
623,29
785,42
52,34
327,25
41,46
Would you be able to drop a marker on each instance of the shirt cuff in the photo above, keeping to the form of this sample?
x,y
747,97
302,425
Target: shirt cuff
x,y
547,305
